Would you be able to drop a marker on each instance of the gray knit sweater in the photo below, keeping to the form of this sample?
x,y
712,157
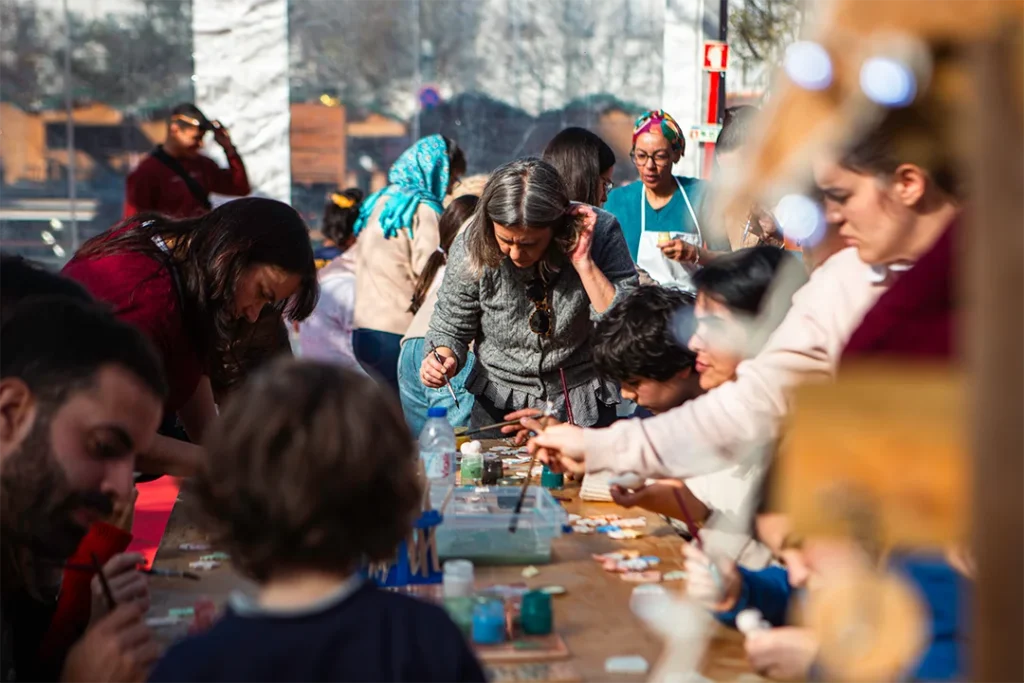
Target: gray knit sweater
x,y
516,368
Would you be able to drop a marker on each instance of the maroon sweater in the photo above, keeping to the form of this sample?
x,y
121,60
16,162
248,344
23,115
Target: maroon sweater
x,y
152,186
917,315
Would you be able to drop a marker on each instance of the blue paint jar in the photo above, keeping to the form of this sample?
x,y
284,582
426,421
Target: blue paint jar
x,y
536,616
489,622
551,480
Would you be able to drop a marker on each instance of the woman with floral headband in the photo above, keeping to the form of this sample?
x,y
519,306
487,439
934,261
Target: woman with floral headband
x,y
660,213
397,231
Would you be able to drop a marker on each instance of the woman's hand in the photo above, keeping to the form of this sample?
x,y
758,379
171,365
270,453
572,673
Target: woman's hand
x,y
784,653
432,373
717,586
537,423
681,251
560,447
580,255
126,584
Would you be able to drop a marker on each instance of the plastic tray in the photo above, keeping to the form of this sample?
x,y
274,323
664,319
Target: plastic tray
x,y
476,524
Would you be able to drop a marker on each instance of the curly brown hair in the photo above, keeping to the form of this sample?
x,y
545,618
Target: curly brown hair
x,y
310,466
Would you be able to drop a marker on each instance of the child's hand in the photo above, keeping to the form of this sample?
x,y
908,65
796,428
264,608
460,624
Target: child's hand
x,y
126,584
560,447
784,653
716,587
118,647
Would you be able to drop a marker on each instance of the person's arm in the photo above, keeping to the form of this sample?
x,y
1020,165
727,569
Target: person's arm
x,y
766,590
734,421
233,180
425,238
457,314
602,260
138,193
171,456
200,410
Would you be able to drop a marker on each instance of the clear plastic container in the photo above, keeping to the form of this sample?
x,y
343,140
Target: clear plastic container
x,y
437,447
476,521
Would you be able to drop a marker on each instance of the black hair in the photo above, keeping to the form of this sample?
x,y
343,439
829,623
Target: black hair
x,y
210,253
456,158
339,221
741,279
21,279
736,127
580,157
189,110
904,136
56,345
635,340
457,213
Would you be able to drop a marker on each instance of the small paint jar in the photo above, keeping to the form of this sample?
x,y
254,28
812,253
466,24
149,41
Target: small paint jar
x,y
494,470
461,612
489,622
551,480
535,614
458,579
472,468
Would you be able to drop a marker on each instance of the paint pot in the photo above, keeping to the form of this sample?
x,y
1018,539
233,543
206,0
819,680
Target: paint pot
x,y
551,480
472,468
535,614
458,579
489,622
494,470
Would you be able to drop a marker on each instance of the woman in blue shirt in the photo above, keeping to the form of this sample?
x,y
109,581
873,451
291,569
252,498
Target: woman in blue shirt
x,y
660,213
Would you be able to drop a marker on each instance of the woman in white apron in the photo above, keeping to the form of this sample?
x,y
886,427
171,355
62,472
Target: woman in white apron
x,y
659,212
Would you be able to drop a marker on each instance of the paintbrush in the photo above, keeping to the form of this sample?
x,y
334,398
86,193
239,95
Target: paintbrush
x,y
514,522
111,603
695,532
565,395
447,381
168,573
549,410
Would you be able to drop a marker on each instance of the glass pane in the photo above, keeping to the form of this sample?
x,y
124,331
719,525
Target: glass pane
x,y
501,77
130,61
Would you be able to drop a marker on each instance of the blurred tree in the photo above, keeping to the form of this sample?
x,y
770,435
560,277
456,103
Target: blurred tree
x,y
28,74
760,30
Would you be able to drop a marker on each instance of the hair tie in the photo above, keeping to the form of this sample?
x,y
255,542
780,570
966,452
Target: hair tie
x,y
441,251
341,201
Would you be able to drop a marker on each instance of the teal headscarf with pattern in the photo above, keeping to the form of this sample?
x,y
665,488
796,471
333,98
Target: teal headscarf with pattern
x,y
420,175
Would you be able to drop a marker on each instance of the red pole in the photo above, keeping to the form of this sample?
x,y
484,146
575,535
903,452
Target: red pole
x,y
712,117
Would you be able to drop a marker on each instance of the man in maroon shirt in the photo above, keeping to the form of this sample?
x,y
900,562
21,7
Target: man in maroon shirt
x,y
175,179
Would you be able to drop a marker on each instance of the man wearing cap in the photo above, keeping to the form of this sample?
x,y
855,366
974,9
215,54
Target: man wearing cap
x,y
176,179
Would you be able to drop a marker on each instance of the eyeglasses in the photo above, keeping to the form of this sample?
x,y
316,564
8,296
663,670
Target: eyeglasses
x,y
608,186
540,319
641,158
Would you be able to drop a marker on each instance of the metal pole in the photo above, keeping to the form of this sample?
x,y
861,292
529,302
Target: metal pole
x,y
69,110
723,35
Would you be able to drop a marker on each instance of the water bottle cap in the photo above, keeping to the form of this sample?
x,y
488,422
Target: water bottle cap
x,y
437,411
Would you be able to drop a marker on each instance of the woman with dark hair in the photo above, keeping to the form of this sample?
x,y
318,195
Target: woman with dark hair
x,y
398,231
661,213
327,334
187,284
585,162
525,281
417,399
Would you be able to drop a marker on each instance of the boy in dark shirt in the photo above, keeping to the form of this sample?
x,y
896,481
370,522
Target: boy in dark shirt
x,y
311,472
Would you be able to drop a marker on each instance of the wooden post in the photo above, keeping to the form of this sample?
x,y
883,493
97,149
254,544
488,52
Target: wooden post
x,y
994,343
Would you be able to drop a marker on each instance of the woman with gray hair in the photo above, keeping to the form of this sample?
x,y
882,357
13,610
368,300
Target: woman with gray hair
x,y
526,280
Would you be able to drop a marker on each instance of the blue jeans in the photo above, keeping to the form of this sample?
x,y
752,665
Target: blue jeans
x,y
416,398
377,352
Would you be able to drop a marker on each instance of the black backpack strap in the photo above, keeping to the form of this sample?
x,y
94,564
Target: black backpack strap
x,y
201,195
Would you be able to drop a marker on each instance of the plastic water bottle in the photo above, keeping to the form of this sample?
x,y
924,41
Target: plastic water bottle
x,y
437,447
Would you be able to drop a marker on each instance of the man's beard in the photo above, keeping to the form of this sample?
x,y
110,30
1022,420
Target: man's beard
x,y
38,501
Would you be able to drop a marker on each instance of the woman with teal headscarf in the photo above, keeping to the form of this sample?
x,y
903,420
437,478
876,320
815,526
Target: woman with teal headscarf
x,y
397,231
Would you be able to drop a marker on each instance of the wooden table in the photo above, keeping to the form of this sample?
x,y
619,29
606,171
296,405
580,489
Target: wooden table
x,y
593,616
